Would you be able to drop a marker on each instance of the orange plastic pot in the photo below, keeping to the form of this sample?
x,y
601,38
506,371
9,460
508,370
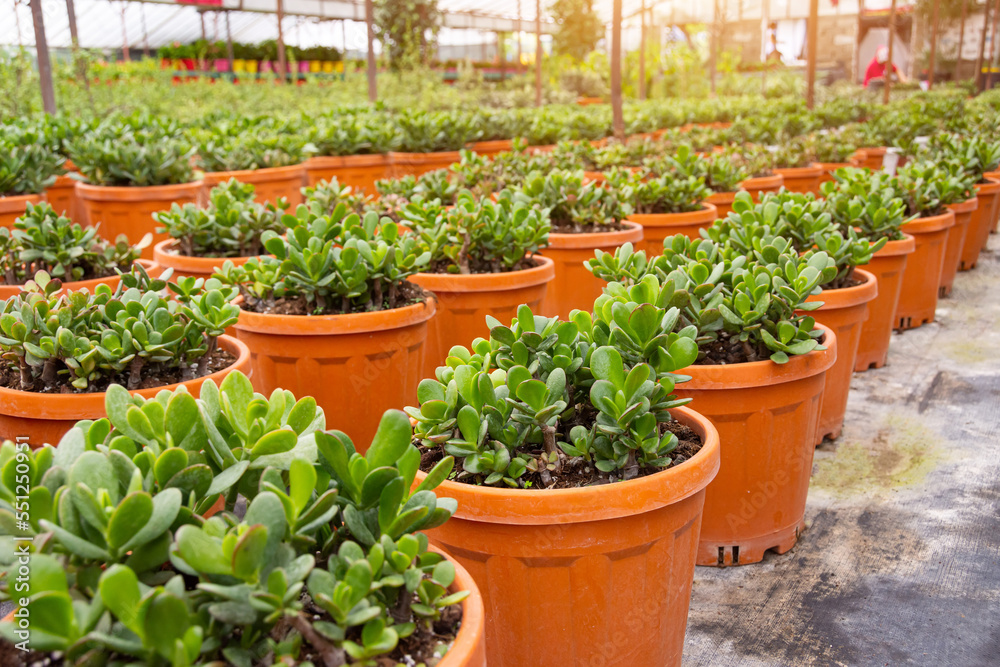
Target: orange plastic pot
x,y
723,203
887,266
356,366
589,101
152,268
827,169
357,171
658,226
956,242
469,647
872,157
979,225
845,312
418,164
61,196
166,255
763,184
995,176
602,573
574,287
595,176
767,416
129,210
922,275
45,418
271,183
463,302
12,208
802,179
493,147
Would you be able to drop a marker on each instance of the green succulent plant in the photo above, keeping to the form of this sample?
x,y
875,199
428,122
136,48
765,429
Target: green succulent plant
x,y
137,151
670,193
28,164
573,205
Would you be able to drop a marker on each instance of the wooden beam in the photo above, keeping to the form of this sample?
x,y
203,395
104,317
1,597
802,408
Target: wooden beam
x,y
282,64
714,45
370,22
538,53
961,40
993,45
934,38
642,52
42,52
519,33
811,38
982,46
889,66
617,118
229,44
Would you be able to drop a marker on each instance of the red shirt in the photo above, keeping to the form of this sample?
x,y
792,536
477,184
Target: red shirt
x,y
877,70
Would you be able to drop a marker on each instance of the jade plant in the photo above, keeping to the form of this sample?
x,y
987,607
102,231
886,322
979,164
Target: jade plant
x,y
573,205
139,555
928,187
479,236
230,226
670,193
245,143
42,240
134,152
975,154
350,134
132,335
28,164
868,202
423,132
330,263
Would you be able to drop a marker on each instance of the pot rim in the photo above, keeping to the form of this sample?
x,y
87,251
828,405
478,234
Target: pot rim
x,y
253,175
36,405
901,247
933,223
490,282
358,160
707,213
471,633
990,186
800,172
847,297
168,258
762,373
632,232
762,182
421,158
542,507
14,203
967,206
722,197
335,325
130,193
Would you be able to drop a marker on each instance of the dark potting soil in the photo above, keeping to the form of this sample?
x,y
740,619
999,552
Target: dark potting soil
x,y
153,375
89,274
728,349
11,656
564,228
576,472
850,280
407,294
480,266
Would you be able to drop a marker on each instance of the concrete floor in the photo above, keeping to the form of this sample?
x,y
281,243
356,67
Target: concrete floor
x,y
900,564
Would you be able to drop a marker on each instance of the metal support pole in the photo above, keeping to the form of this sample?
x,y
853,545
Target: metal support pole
x,y
961,40
714,45
370,22
42,53
934,36
282,64
617,118
125,54
538,53
519,32
642,51
229,46
982,45
993,46
889,66
811,38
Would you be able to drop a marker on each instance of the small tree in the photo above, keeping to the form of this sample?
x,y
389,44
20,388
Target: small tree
x,y
579,27
408,29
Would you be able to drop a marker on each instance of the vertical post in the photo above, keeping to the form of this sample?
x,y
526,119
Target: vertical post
x,y
765,39
856,56
502,56
934,38
812,35
642,51
201,17
282,65
126,56
343,35
889,65
42,53
982,45
538,53
229,46
617,118
993,45
370,22
519,32
73,34
961,40
714,44
145,33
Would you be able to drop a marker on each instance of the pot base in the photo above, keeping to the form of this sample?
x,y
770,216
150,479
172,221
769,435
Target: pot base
x,y
749,551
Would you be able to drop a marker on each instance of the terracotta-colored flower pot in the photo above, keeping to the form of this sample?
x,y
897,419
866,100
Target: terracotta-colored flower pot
x,y
723,203
574,286
129,210
12,208
271,183
357,171
166,255
767,415
802,179
152,268
418,164
603,572
763,184
956,242
922,276
489,148
887,266
45,418
588,101
595,176
845,312
995,176
469,647
827,169
548,148
463,302
61,196
356,366
980,224
871,157
658,226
